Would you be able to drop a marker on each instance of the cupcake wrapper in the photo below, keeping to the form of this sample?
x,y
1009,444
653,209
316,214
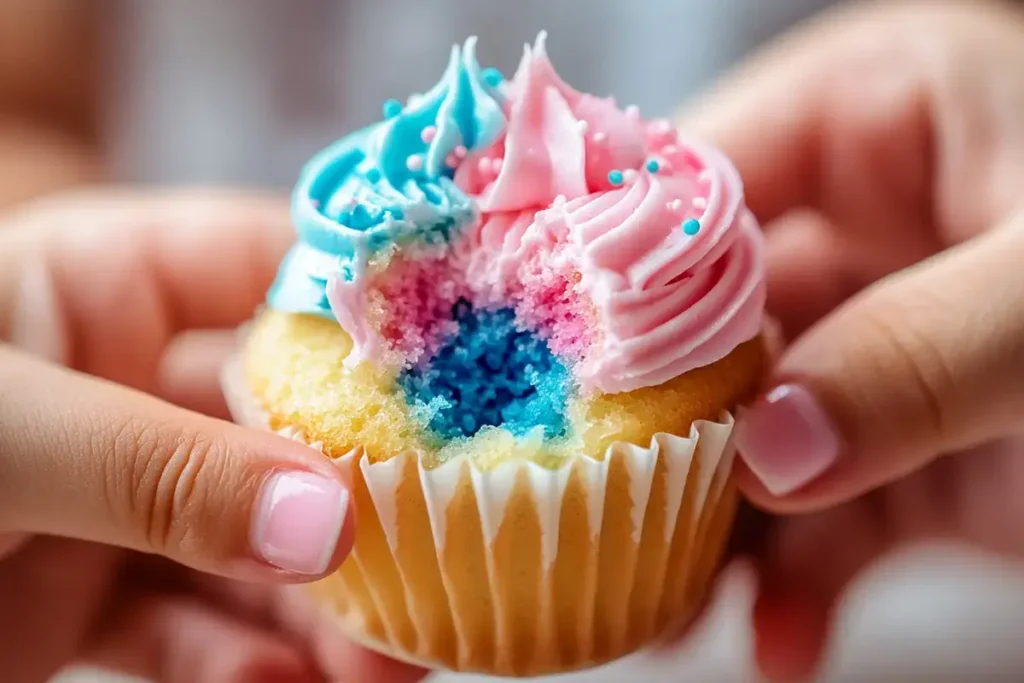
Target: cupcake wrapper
x,y
523,570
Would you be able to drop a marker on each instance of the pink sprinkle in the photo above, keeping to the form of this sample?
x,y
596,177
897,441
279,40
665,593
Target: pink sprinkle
x,y
675,206
461,152
428,134
484,165
451,161
629,175
600,137
414,162
700,203
496,165
633,111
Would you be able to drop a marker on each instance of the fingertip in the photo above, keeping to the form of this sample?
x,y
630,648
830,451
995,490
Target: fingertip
x,y
790,633
302,523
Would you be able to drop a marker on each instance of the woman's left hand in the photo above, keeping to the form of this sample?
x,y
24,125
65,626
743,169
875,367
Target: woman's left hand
x,y
142,290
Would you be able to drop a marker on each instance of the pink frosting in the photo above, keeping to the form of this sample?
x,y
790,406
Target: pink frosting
x,y
604,269
558,143
662,301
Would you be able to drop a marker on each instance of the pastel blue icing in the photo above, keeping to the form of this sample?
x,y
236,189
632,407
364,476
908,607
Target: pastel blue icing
x,y
359,196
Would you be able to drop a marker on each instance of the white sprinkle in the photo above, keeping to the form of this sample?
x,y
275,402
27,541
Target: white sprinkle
x,y
600,137
704,175
670,150
675,206
662,126
700,203
560,200
629,175
414,162
582,126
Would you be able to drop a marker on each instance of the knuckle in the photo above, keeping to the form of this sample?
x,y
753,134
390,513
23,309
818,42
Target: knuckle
x,y
171,473
922,376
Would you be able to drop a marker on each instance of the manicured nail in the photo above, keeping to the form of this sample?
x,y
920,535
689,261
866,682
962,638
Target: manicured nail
x,y
297,521
787,439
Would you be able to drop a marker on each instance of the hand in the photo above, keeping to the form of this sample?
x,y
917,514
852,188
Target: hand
x,y
134,533
883,149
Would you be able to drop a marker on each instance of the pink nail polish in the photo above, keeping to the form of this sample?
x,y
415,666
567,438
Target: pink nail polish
x,y
787,439
297,520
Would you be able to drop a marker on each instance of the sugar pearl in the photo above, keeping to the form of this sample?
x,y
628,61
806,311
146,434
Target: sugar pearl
x,y
414,162
428,134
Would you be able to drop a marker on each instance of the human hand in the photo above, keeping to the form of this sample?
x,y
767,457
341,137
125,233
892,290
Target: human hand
x,y
134,533
883,149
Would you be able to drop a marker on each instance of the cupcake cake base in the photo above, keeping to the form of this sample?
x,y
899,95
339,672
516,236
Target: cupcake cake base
x,y
522,570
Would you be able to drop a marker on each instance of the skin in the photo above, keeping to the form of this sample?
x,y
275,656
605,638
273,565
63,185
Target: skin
x,y
125,513
882,146
49,113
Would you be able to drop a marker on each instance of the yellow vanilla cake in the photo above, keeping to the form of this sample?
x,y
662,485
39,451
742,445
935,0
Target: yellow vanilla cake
x,y
519,318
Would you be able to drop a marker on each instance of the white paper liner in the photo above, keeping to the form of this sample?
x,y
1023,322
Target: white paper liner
x,y
694,487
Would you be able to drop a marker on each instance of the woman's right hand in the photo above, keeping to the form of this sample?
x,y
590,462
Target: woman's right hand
x,y
882,146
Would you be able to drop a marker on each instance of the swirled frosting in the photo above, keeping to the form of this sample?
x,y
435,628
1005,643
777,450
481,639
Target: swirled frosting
x,y
630,251
389,185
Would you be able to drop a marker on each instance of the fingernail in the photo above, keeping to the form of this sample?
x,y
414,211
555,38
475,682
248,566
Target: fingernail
x,y
298,519
787,439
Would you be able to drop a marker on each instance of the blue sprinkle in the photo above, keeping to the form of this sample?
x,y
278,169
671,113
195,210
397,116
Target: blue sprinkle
x,y
492,77
615,178
653,165
691,226
392,108
373,175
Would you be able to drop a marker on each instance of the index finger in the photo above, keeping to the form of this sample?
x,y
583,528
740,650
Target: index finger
x,y
117,274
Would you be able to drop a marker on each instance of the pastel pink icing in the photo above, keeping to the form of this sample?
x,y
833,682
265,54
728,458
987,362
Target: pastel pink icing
x,y
606,273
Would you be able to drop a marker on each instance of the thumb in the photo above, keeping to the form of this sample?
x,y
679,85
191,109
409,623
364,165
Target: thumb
x,y
928,361
86,459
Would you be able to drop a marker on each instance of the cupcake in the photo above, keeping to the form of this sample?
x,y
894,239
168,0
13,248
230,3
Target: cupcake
x,y
518,317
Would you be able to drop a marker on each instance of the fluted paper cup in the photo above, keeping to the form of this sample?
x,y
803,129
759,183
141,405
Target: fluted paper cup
x,y
522,570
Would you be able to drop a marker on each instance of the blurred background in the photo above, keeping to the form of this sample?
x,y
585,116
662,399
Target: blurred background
x,y
241,92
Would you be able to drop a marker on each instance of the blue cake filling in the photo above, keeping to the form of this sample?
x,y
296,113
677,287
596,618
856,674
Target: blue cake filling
x,y
490,373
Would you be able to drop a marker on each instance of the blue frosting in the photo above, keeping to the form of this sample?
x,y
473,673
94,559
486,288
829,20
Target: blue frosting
x,y
490,373
362,194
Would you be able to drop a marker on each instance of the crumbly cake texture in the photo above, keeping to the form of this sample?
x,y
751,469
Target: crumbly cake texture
x,y
295,367
511,269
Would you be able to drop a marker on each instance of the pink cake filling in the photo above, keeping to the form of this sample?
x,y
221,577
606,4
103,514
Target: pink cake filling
x,y
412,302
